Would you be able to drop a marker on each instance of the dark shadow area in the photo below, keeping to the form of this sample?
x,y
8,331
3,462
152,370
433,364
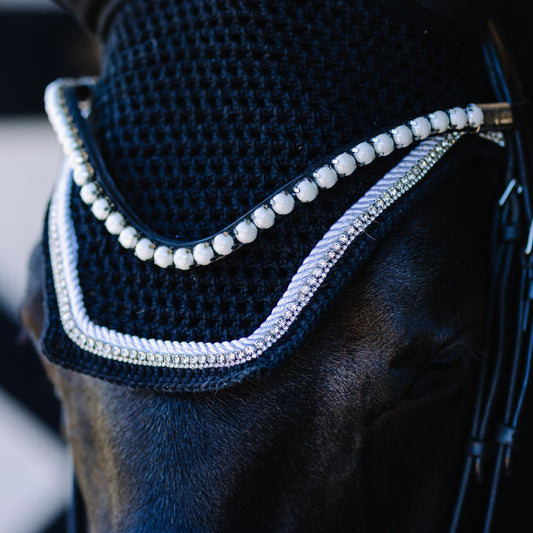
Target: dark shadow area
x,y
37,48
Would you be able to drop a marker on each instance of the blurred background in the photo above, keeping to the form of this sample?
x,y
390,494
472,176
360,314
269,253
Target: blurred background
x,y
38,43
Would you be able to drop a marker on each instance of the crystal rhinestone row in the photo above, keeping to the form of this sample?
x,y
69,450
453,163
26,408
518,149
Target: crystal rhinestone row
x,y
302,190
164,353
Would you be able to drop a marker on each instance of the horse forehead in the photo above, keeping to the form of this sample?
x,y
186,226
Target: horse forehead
x,y
362,332
377,313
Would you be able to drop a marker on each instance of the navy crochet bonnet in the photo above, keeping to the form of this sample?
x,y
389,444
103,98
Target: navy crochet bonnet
x,y
225,173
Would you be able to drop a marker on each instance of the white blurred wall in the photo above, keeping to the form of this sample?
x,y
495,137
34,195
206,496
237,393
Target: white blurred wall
x,y
30,159
34,464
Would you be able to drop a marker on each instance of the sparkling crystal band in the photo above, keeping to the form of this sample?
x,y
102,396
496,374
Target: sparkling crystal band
x,y
302,190
127,348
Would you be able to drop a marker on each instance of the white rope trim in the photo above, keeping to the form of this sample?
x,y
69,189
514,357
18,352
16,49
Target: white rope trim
x,y
111,344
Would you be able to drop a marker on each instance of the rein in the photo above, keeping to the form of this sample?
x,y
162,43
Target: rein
x,y
504,376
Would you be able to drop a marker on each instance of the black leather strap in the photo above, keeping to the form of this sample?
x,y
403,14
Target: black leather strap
x,y
505,435
480,448
505,375
514,233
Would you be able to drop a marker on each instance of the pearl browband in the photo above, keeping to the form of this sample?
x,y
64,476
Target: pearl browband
x,y
67,115
110,344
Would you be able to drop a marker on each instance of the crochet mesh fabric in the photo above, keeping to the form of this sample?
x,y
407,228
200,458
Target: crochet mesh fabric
x,y
206,107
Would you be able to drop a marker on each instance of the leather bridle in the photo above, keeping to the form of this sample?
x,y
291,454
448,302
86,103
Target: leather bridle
x,y
505,373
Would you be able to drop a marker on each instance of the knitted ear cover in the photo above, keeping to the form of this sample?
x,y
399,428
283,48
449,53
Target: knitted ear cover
x,y
203,110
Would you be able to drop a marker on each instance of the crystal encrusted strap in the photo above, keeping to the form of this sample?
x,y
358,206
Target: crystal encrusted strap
x,y
310,276
301,190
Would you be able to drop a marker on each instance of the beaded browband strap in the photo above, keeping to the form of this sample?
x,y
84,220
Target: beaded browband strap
x,y
67,108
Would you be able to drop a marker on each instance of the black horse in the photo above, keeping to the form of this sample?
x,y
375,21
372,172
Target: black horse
x,y
360,423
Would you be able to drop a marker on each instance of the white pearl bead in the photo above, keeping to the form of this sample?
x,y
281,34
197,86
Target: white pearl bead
x,y
282,203
81,175
246,231
101,208
183,259
402,136
128,237
115,223
475,116
223,243
439,121
364,153
144,249
63,137
89,193
421,128
263,217
344,164
458,118
163,256
306,191
203,253
73,155
325,177
383,144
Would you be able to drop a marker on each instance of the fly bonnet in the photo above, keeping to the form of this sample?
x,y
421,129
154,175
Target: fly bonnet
x,y
224,180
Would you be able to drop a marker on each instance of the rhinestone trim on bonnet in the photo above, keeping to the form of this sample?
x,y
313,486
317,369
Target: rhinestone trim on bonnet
x,y
111,344
302,190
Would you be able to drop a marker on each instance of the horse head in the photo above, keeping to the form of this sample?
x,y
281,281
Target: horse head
x,y
349,405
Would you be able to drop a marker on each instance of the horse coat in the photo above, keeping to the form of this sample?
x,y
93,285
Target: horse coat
x,y
215,207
